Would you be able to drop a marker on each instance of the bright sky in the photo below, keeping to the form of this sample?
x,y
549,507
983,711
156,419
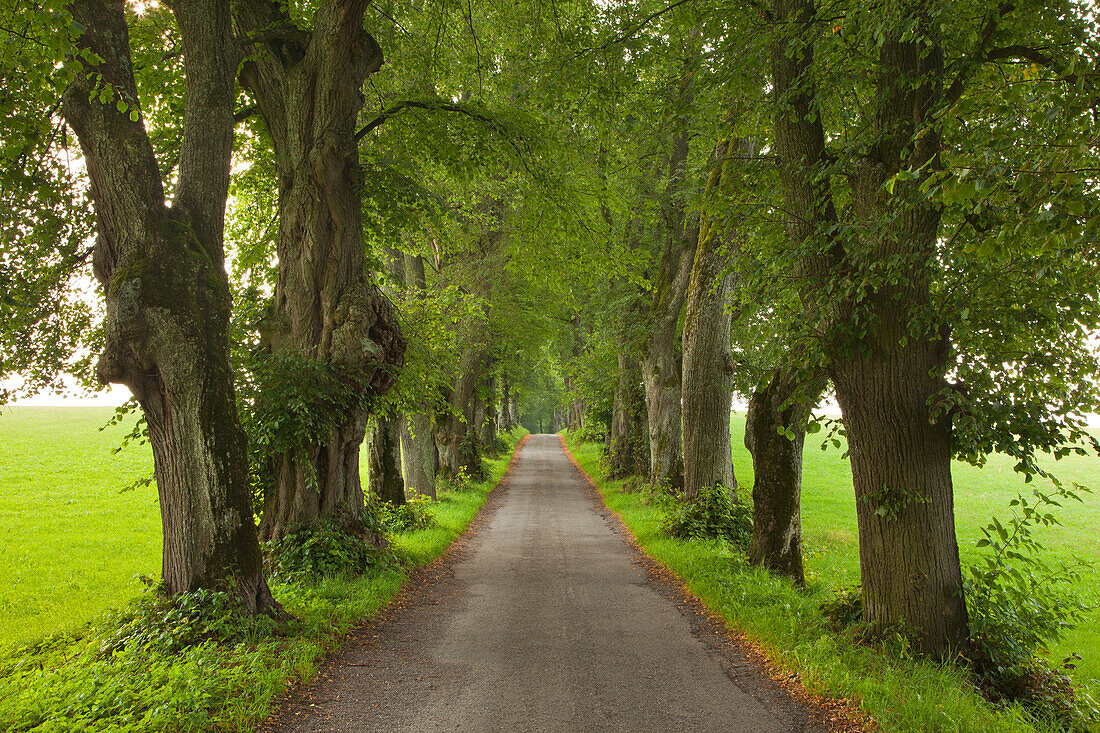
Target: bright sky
x,y
113,396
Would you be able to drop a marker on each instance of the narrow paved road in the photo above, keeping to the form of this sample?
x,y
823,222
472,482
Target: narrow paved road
x,y
548,621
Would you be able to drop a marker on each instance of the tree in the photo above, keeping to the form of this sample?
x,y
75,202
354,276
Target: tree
x,y
661,366
775,433
168,300
307,88
875,216
384,460
708,365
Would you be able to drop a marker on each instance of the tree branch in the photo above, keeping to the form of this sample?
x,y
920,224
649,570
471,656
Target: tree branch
x,y
979,54
245,113
630,33
1017,51
431,107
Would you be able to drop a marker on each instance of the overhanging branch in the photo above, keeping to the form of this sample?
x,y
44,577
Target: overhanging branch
x,y
429,106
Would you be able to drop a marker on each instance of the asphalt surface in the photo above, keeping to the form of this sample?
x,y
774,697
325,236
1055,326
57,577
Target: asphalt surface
x,y
547,619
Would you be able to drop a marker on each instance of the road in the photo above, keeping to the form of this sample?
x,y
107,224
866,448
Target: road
x,y
546,619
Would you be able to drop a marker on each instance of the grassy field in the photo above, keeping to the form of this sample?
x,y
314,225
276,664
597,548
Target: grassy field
x,y
829,524
72,541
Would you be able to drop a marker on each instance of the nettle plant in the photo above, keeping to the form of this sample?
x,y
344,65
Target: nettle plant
x,y
289,402
713,513
1020,605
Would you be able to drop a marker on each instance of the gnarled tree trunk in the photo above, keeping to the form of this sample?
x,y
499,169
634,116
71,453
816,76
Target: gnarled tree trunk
x,y
708,365
661,360
455,431
168,299
307,86
418,452
784,402
508,417
662,373
628,453
487,432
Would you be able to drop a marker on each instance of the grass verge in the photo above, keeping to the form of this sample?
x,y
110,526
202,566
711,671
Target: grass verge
x,y
896,691
85,680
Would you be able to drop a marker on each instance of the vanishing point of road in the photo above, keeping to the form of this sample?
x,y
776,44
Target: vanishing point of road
x,y
545,619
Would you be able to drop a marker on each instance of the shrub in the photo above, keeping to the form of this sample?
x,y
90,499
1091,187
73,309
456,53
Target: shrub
x,y
843,610
1018,606
454,482
168,624
414,514
711,514
328,548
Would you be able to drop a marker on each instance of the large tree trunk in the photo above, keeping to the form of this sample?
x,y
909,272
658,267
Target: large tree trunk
x,y
487,430
418,451
661,375
455,431
783,403
901,469
708,365
384,460
628,452
508,417
168,299
576,407
661,360
513,410
307,85
885,383
886,374
418,454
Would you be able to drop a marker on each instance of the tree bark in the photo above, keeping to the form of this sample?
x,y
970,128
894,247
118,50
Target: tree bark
x,y
418,451
487,431
307,86
708,364
661,359
455,430
513,410
784,402
168,299
508,417
418,454
629,450
384,460
901,458
886,374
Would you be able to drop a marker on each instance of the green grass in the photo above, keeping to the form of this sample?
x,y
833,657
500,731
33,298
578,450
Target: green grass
x,y
65,681
72,541
832,542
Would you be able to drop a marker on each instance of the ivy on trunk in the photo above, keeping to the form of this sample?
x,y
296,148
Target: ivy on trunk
x,y
307,86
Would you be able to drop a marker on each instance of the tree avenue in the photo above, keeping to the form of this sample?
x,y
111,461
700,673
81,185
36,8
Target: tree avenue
x,y
319,224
